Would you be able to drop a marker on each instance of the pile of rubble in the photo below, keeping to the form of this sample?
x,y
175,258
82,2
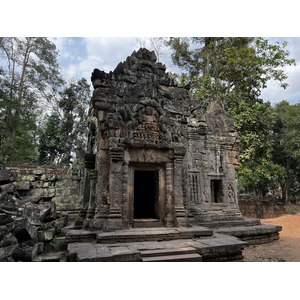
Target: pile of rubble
x,y
27,224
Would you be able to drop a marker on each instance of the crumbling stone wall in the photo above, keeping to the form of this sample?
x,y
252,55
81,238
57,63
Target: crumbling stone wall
x,y
261,208
28,217
46,183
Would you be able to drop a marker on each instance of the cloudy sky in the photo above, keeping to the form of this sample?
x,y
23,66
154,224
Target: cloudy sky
x,y
108,29
79,56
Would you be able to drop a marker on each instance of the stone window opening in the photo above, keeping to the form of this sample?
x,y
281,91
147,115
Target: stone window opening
x,y
217,191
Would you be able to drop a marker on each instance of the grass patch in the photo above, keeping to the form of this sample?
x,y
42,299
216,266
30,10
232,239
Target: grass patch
x,y
292,209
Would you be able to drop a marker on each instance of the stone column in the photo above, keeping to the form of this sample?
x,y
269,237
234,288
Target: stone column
x,y
180,211
114,221
125,199
93,175
101,194
169,218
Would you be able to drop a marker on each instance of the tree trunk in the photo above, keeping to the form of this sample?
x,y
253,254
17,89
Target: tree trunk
x,y
21,87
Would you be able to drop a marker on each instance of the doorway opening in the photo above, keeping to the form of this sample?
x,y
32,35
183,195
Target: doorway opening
x,y
145,195
217,191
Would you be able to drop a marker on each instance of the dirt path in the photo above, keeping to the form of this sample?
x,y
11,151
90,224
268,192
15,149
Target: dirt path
x,y
287,248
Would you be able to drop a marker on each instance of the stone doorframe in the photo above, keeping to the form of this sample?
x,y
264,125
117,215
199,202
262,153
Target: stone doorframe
x,y
161,201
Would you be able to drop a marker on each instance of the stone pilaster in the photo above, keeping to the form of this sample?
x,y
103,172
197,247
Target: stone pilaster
x,y
93,175
180,211
169,221
114,221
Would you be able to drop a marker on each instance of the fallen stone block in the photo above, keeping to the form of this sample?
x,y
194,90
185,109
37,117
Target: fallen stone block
x,y
24,230
8,188
46,235
33,196
8,239
5,219
25,252
6,253
36,213
61,222
10,204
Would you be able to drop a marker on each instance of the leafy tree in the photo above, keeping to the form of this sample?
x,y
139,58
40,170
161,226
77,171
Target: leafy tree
x,y
233,71
65,131
30,76
50,139
217,67
286,153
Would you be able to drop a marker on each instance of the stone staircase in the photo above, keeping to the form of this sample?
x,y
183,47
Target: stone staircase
x,y
215,242
188,254
146,223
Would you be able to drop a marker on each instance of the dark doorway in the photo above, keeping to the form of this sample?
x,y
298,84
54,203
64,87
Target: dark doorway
x,y
217,191
145,194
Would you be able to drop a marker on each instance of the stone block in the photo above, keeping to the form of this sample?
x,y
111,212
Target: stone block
x,y
5,219
44,177
33,196
61,222
27,178
52,177
25,252
10,205
8,188
49,192
7,240
46,235
22,185
39,171
36,213
24,230
6,252
5,176
46,184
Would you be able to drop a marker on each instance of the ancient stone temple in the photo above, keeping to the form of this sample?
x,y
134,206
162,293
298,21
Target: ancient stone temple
x,y
153,156
154,159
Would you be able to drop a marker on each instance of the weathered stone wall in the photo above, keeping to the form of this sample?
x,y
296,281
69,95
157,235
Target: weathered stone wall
x,y
36,183
28,217
261,208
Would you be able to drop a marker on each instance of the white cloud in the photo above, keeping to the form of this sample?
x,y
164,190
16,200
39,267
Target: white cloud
x,y
101,53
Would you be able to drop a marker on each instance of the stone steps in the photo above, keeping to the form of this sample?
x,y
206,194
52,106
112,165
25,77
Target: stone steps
x,y
138,234
187,254
153,234
51,257
217,248
146,223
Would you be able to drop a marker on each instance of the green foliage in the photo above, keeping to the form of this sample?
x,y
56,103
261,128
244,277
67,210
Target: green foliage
x,y
30,78
65,130
233,71
20,146
285,152
291,209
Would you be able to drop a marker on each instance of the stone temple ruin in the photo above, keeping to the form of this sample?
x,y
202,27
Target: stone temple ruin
x,y
159,176
153,154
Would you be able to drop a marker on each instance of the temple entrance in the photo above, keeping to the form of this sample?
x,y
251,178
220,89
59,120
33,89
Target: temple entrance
x,y
145,195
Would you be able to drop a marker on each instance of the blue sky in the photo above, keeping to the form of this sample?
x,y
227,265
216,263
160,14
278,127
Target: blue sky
x,y
79,56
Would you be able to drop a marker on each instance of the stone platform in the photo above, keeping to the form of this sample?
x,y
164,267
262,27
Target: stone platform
x,y
130,245
214,243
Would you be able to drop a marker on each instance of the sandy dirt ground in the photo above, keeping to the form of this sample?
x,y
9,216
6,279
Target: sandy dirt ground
x,y
286,249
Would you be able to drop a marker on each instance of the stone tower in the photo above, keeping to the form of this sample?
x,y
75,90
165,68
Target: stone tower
x,y
152,154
